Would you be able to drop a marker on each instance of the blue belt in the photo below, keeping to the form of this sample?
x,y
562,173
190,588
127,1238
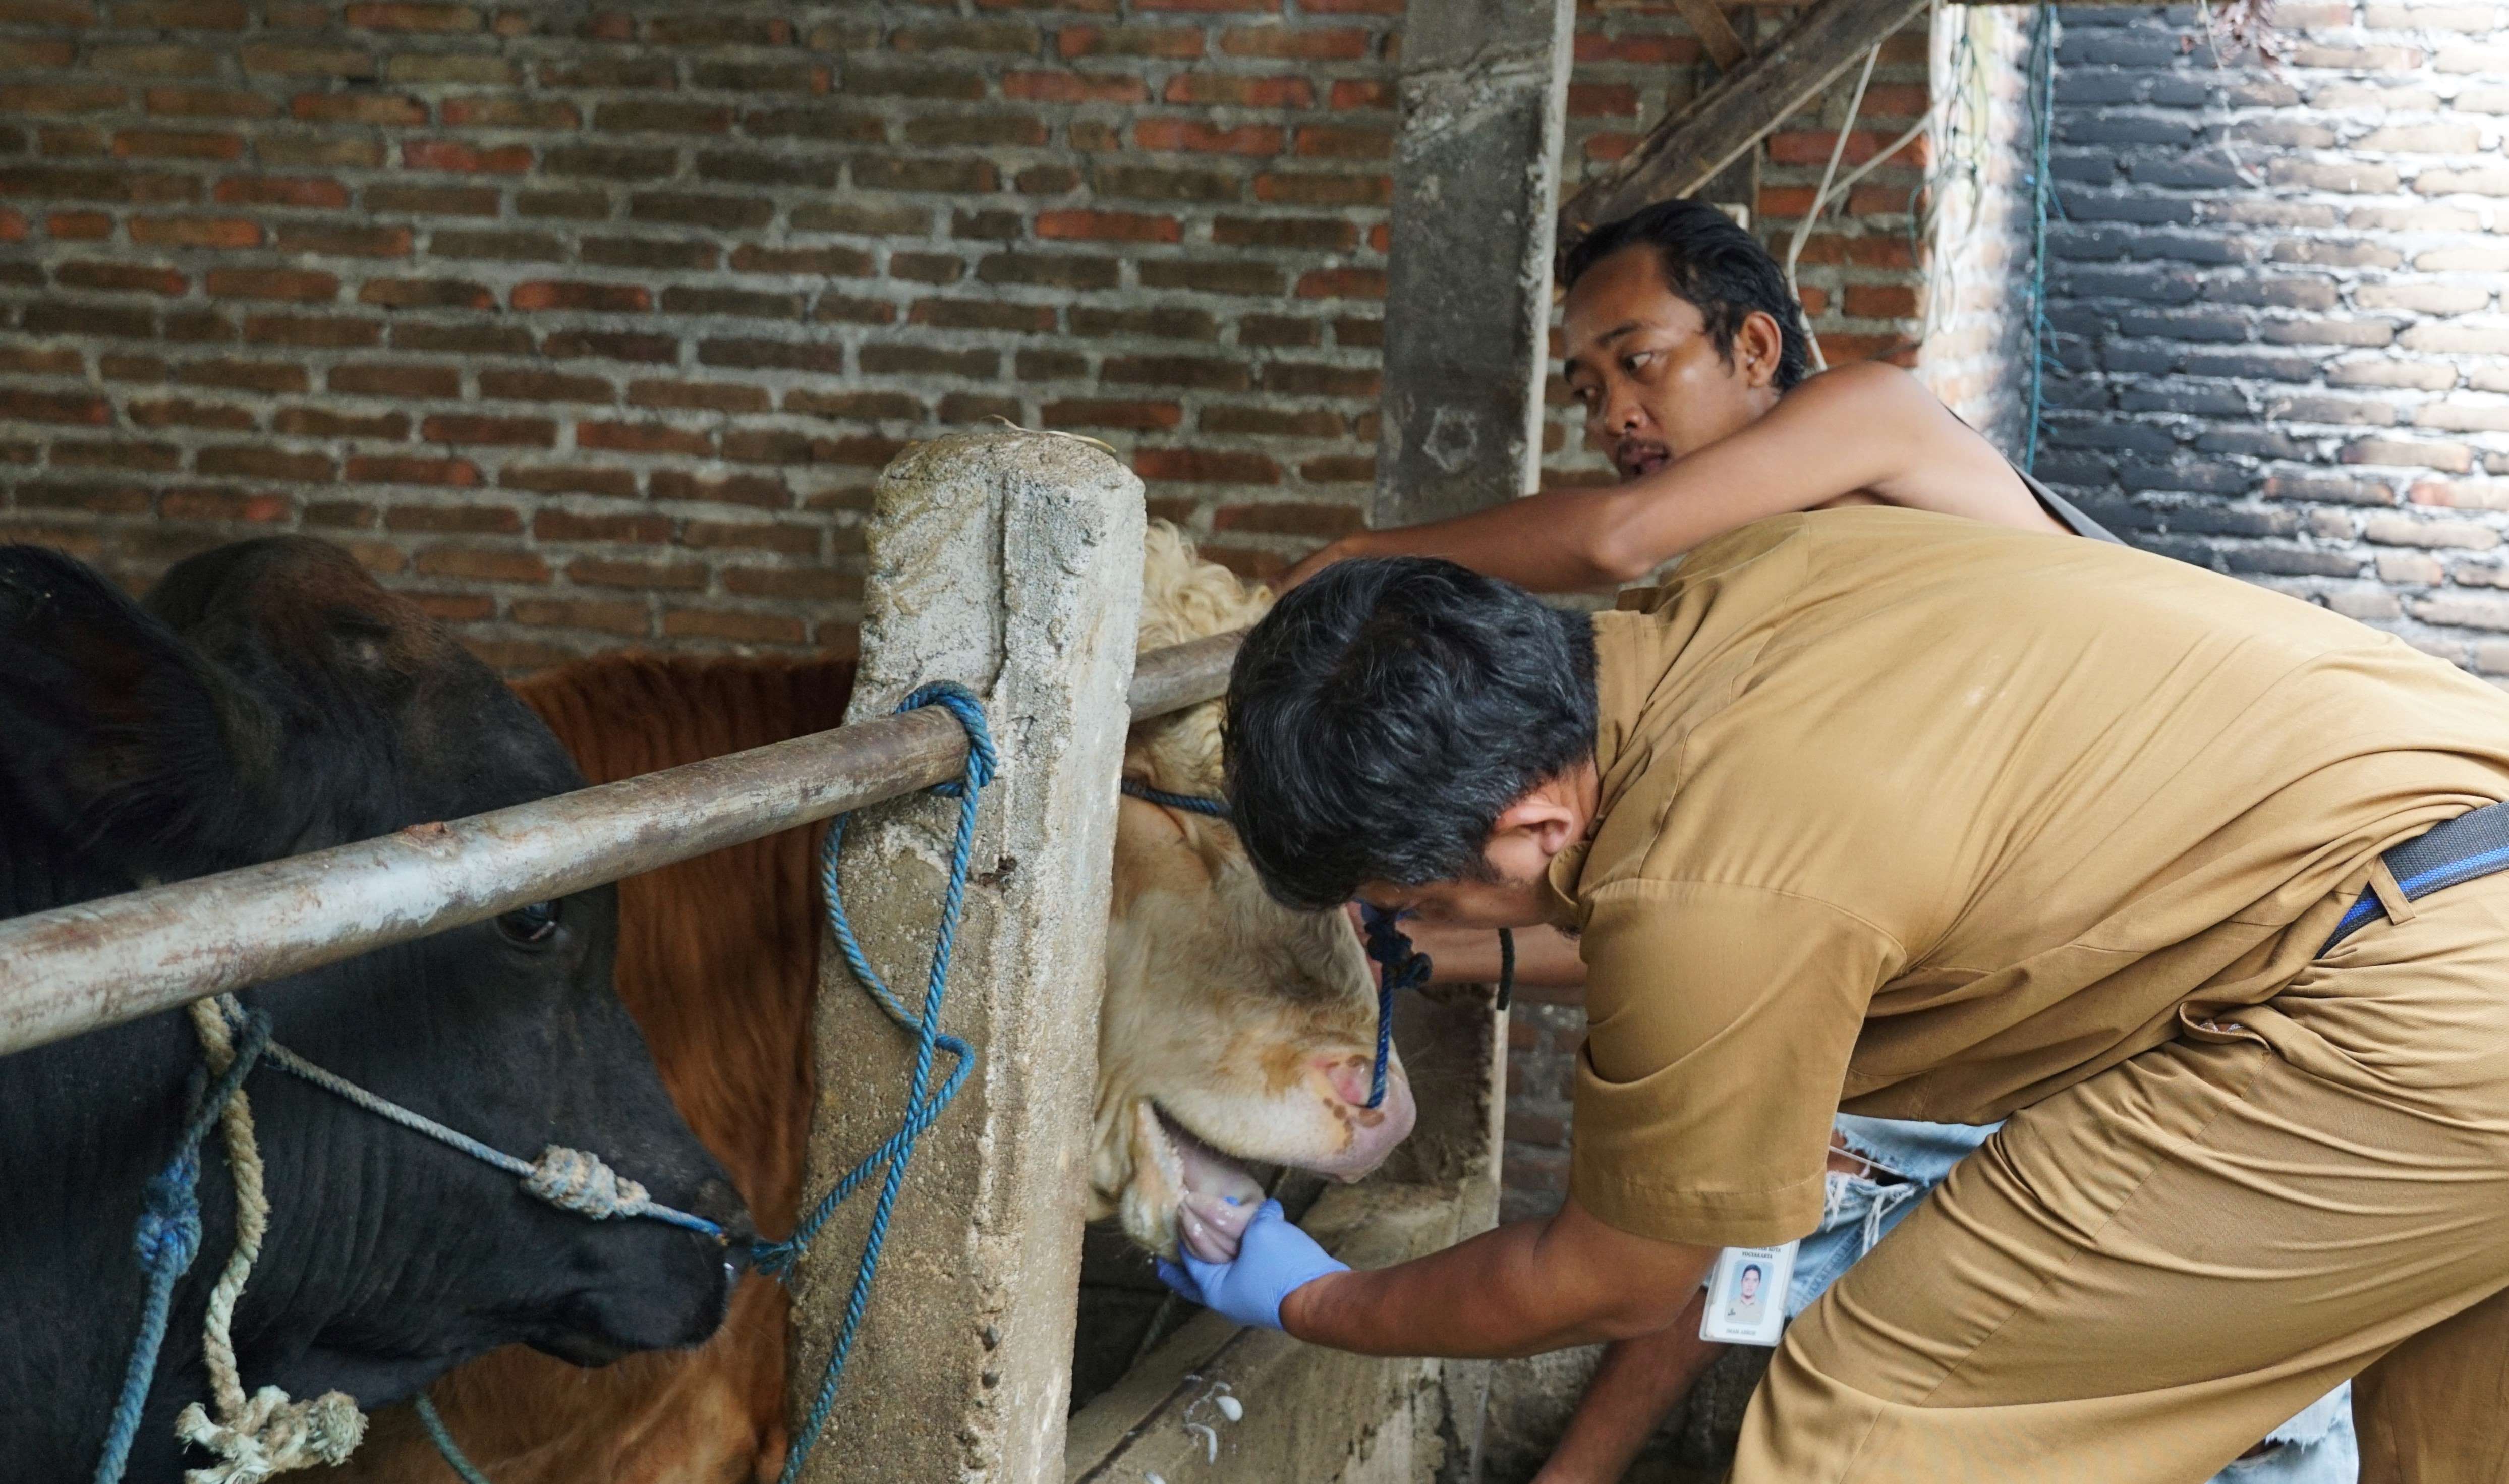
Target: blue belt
x,y
2475,843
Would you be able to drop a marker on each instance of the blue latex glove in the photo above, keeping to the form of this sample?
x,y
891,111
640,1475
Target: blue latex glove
x,y
1274,1259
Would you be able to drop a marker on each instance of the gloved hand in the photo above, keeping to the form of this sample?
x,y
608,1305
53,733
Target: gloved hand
x,y
1274,1259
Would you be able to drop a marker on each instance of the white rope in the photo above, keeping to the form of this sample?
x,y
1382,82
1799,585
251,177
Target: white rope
x,y
252,1211
1821,198
1879,160
1833,186
268,1432
272,1434
573,1180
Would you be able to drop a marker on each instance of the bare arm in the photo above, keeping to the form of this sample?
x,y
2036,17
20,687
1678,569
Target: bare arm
x,y
1544,958
1522,1290
1868,428
1639,1384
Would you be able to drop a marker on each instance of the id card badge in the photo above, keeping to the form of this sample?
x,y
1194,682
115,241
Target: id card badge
x,y
1747,1295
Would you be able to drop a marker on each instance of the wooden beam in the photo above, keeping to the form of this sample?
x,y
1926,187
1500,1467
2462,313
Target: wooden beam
x,y
1685,150
1715,33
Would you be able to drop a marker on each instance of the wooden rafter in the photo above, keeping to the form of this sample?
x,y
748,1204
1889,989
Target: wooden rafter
x,y
1685,150
1715,33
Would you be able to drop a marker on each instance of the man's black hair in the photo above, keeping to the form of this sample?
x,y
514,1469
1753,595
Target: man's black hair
x,y
1385,713
1721,269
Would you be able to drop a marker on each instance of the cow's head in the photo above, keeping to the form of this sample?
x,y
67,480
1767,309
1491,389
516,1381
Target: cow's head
x,y
1234,1030
272,699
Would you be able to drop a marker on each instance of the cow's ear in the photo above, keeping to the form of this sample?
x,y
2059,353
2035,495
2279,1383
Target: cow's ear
x,y
120,737
307,609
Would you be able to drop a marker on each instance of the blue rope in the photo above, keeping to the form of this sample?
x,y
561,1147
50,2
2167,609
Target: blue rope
x,y
168,1233
462,1467
167,1237
778,1258
2042,190
534,1176
1216,808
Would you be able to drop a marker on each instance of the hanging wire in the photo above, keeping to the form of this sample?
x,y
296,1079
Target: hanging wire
x,y
1951,193
2042,117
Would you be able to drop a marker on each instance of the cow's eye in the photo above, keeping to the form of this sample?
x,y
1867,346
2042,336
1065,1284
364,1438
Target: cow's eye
x,y
530,926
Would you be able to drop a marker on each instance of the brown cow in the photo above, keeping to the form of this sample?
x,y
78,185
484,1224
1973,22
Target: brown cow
x,y
1225,1015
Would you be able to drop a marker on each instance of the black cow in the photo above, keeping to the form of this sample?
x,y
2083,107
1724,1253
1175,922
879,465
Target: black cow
x,y
270,699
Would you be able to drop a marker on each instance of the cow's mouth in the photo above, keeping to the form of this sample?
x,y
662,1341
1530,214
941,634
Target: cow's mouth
x,y
1215,1194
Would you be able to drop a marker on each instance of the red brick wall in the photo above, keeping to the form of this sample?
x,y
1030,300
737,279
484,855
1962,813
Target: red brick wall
x,y
592,325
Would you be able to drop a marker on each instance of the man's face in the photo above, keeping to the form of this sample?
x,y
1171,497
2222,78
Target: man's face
x,y
1502,904
1750,1284
1512,889
1653,386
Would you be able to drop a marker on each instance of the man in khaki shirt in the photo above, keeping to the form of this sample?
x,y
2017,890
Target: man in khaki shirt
x,y
1896,813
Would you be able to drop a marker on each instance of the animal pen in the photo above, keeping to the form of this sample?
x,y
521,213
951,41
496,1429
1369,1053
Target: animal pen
x,y
1008,562
589,326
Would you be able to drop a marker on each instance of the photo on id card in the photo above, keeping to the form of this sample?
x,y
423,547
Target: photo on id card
x,y
1747,1295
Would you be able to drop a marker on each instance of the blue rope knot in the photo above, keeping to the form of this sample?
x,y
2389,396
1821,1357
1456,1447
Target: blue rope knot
x,y
167,1237
169,1231
983,762
923,1102
1401,967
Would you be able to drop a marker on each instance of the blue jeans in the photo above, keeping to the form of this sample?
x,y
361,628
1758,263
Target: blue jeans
x,y
2316,1447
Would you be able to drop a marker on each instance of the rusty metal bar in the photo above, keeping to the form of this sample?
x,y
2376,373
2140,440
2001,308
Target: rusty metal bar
x,y
100,963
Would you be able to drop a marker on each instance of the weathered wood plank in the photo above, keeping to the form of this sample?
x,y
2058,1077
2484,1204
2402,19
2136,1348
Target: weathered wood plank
x,y
1685,150
1715,33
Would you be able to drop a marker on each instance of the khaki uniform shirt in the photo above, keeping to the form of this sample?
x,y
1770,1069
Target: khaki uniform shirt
x,y
1931,819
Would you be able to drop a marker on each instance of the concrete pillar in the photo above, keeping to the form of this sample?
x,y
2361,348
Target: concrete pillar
x,y
1484,91
1010,562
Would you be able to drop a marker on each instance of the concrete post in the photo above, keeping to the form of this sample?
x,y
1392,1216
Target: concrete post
x,y
1485,90
1010,562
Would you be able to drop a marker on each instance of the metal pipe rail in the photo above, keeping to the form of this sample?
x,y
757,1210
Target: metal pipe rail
x,y
76,969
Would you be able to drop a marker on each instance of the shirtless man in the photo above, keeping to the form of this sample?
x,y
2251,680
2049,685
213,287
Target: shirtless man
x,y
1689,357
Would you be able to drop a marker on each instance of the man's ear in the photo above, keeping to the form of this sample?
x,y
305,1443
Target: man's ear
x,y
1759,348
1551,822
117,736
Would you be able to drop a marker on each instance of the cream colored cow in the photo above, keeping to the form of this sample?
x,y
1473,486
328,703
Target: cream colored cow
x,y
1230,1022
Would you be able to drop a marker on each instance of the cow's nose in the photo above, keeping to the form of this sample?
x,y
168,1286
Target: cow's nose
x,y
718,1203
1352,1078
